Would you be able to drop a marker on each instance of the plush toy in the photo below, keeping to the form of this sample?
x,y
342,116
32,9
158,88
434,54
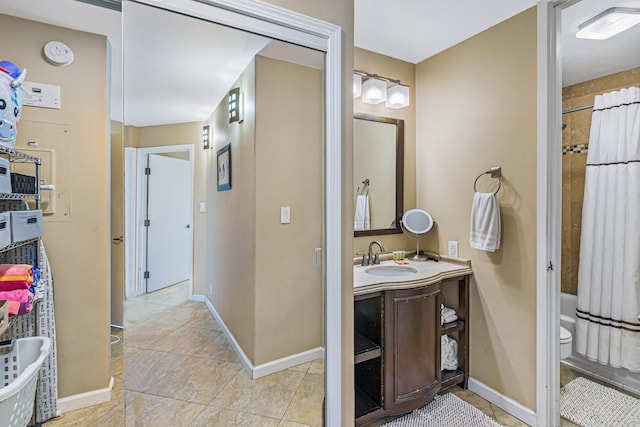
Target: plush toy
x,y
11,98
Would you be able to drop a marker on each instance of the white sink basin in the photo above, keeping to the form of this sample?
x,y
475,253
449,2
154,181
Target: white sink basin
x,y
391,270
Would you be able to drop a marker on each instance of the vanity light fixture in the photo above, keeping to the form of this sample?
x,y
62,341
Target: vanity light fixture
x,y
609,23
374,90
206,137
398,96
357,85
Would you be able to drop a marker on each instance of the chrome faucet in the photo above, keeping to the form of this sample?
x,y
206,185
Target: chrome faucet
x,y
375,259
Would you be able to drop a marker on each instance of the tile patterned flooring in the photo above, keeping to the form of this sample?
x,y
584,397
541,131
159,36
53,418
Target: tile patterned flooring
x,y
182,371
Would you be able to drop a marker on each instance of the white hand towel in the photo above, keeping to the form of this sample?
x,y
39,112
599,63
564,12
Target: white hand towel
x,y
449,353
485,222
361,220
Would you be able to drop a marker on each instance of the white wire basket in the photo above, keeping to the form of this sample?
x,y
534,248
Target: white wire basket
x,y
20,362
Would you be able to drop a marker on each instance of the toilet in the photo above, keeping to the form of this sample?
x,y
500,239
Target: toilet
x,y
565,343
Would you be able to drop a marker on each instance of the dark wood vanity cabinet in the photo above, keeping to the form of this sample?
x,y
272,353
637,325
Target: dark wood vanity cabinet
x,y
412,348
397,348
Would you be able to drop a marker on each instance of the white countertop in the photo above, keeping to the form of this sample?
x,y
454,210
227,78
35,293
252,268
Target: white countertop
x,y
428,272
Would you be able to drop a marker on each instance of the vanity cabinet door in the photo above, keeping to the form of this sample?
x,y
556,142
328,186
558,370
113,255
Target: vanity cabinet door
x,y
412,356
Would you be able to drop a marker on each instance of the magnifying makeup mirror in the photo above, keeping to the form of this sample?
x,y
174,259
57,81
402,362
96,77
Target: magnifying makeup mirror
x,y
417,223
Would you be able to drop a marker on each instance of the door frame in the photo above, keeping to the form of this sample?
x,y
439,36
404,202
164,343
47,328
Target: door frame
x,y
549,211
141,207
282,24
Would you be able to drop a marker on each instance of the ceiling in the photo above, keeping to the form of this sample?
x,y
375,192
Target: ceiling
x,y
410,30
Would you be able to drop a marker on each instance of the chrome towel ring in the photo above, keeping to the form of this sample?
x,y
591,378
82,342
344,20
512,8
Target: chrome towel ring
x,y
495,172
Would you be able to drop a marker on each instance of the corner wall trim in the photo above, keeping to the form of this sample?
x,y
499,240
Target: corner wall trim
x,y
503,402
266,368
82,400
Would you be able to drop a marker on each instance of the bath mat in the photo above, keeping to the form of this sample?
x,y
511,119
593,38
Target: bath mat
x,y
593,405
448,410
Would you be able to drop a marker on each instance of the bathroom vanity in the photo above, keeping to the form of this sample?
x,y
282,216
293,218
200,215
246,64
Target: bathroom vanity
x,y
397,334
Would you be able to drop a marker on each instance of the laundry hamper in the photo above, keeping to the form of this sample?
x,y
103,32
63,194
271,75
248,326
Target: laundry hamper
x,y
20,367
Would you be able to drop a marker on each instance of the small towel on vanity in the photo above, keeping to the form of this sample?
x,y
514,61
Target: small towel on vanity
x,y
485,222
449,353
448,315
362,220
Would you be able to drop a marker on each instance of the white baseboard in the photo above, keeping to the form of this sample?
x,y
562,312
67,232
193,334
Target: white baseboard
x,y
265,368
82,400
287,362
503,402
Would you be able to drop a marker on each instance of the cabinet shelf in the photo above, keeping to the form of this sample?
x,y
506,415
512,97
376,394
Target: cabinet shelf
x,y
450,378
364,348
364,404
455,326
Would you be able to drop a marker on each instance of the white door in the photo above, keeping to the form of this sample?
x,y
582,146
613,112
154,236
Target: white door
x,y
169,232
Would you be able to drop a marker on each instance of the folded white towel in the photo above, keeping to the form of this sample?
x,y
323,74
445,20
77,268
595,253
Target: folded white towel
x,y
448,312
449,319
485,222
361,219
449,353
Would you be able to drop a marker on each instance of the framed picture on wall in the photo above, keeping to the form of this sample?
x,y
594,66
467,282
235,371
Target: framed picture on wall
x,y
224,168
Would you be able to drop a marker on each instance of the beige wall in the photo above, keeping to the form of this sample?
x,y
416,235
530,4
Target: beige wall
x,y
272,306
340,12
231,222
78,248
476,108
289,151
386,66
574,162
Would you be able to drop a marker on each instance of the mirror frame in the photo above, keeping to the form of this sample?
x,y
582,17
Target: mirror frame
x,y
399,174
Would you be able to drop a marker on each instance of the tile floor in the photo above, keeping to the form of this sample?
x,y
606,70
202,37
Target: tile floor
x,y
182,371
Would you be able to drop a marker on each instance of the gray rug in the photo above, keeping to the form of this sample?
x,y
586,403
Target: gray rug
x,y
589,404
445,411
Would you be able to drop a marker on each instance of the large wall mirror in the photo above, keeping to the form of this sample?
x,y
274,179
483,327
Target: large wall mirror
x,y
378,149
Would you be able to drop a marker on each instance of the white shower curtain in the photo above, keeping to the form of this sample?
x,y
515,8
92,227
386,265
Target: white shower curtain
x,y
608,323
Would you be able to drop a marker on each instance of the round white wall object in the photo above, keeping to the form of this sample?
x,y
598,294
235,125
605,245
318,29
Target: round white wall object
x,y
58,53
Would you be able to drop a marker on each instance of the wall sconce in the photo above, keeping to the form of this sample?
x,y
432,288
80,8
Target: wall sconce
x,y
206,137
609,23
235,105
374,90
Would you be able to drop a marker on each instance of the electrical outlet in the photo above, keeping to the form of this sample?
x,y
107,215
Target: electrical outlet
x,y
210,288
453,249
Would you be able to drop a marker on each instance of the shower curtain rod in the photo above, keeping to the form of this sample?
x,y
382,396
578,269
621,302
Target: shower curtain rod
x,y
584,107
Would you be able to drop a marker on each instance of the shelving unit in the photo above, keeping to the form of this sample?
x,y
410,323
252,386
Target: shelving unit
x,y
397,347
460,328
16,201
368,343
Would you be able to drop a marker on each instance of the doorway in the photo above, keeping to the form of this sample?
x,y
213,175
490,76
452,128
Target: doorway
x,y
562,146
225,199
164,215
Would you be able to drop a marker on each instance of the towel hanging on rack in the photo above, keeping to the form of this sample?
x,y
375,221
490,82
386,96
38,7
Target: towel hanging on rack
x,y
362,220
485,222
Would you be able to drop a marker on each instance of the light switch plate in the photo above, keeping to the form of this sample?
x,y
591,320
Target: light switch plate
x,y
285,215
453,249
203,207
